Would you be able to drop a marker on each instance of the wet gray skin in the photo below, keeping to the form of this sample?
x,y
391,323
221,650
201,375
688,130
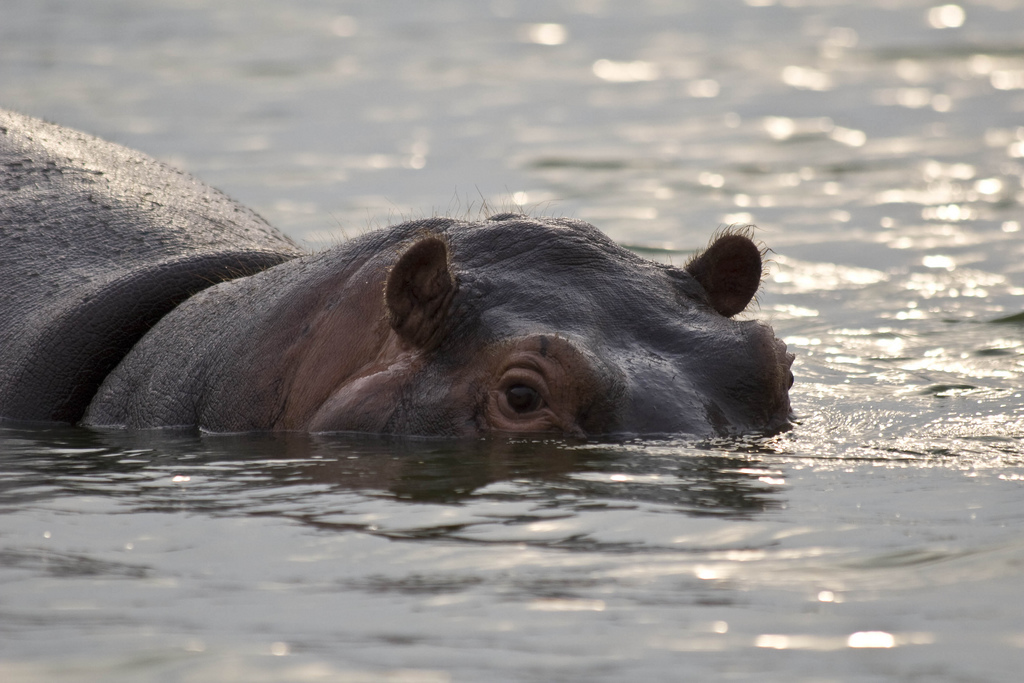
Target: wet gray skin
x,y
450,328
133,295
97,243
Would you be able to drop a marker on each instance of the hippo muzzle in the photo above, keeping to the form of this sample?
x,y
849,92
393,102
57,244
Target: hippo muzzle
x,y
739,387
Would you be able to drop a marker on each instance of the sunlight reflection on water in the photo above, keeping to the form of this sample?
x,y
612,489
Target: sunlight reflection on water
x,y
879,149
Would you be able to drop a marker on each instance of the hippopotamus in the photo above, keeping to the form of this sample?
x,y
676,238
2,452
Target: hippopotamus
x,y
134,296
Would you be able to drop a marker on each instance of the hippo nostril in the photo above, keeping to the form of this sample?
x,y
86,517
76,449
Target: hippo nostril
x,y
791,379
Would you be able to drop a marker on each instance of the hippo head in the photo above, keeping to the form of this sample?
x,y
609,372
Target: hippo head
x,y
443,327
525,325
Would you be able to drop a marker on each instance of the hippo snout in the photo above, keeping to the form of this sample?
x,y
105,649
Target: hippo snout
x,y
737,388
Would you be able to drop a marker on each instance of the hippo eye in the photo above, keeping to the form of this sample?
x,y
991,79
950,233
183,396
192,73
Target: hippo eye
x,y
522,399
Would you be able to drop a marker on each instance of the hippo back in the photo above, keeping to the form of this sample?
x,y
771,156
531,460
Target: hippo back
x,y
97,243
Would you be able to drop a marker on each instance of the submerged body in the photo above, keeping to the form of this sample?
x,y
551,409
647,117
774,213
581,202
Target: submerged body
x,y
97,243
446,327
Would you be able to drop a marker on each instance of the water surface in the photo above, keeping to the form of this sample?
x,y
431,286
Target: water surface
x,y
879,148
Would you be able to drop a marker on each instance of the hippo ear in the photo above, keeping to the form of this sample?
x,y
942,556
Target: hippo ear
x,y
729,271
419,290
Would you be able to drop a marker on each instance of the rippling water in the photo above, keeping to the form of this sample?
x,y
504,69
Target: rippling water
x,y
879,147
